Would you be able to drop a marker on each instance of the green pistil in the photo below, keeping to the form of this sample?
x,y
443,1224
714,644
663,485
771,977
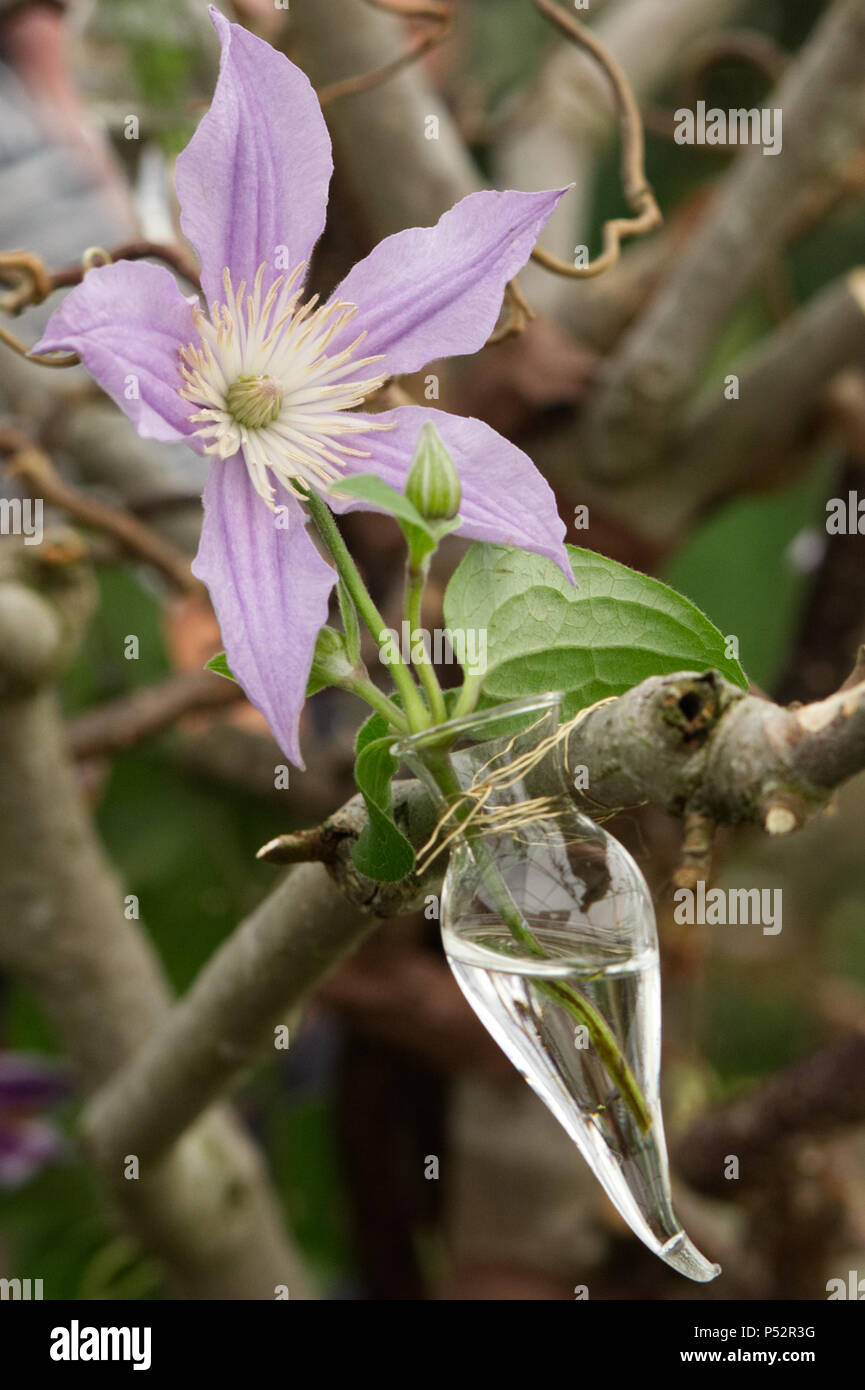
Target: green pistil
x,y
254,401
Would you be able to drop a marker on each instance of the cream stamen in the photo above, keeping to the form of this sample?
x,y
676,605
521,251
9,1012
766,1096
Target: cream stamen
x,y
265,385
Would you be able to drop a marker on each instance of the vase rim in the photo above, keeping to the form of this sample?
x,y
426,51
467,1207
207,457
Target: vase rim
x,y
411,743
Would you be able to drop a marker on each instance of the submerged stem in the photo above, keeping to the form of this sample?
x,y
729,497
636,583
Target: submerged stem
x,y
570,998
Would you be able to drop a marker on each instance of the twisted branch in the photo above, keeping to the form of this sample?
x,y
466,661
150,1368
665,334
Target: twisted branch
x,y
440,15
638,193
34,468
31,284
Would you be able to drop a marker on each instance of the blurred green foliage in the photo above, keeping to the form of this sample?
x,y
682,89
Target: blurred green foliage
x,y
737,568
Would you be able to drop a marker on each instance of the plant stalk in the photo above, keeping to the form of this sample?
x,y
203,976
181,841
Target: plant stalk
x,y
416,711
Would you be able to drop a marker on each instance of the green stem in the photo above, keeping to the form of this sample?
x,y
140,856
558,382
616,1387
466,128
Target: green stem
x,y
365,689
415,583
570,998
468,697
416,711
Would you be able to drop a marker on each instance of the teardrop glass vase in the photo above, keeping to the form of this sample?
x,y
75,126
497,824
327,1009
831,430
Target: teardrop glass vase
x,y
548,927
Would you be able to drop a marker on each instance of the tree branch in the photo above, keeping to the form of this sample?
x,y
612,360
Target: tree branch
x,y
381,138
101,444
797,387
698,743
831,618
726,443
36,471
110,728
288,945
226,1021
819,1095
688,743
645,385
205,1210
438,15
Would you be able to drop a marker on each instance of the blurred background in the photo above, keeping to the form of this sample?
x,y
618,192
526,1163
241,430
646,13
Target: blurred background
x,y
387,1067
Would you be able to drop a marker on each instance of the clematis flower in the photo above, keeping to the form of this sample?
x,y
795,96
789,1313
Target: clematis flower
x,y
27,1085
269,382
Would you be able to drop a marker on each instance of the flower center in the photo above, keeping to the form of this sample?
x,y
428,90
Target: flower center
x,y
254,401
267,387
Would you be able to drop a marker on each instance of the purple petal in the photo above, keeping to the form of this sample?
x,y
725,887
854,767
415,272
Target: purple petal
x,y
30,1082
253,180
24,1149
437,291
505,499
270,589
127,322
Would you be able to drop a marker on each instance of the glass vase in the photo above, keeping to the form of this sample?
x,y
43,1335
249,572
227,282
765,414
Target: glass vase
x,y
548,927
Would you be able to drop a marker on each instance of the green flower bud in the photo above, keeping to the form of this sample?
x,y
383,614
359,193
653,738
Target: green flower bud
x,y
433,485
331,664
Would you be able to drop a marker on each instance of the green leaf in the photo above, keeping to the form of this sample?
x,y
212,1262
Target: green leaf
x,y
368,487
610,633
220,665
382,851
